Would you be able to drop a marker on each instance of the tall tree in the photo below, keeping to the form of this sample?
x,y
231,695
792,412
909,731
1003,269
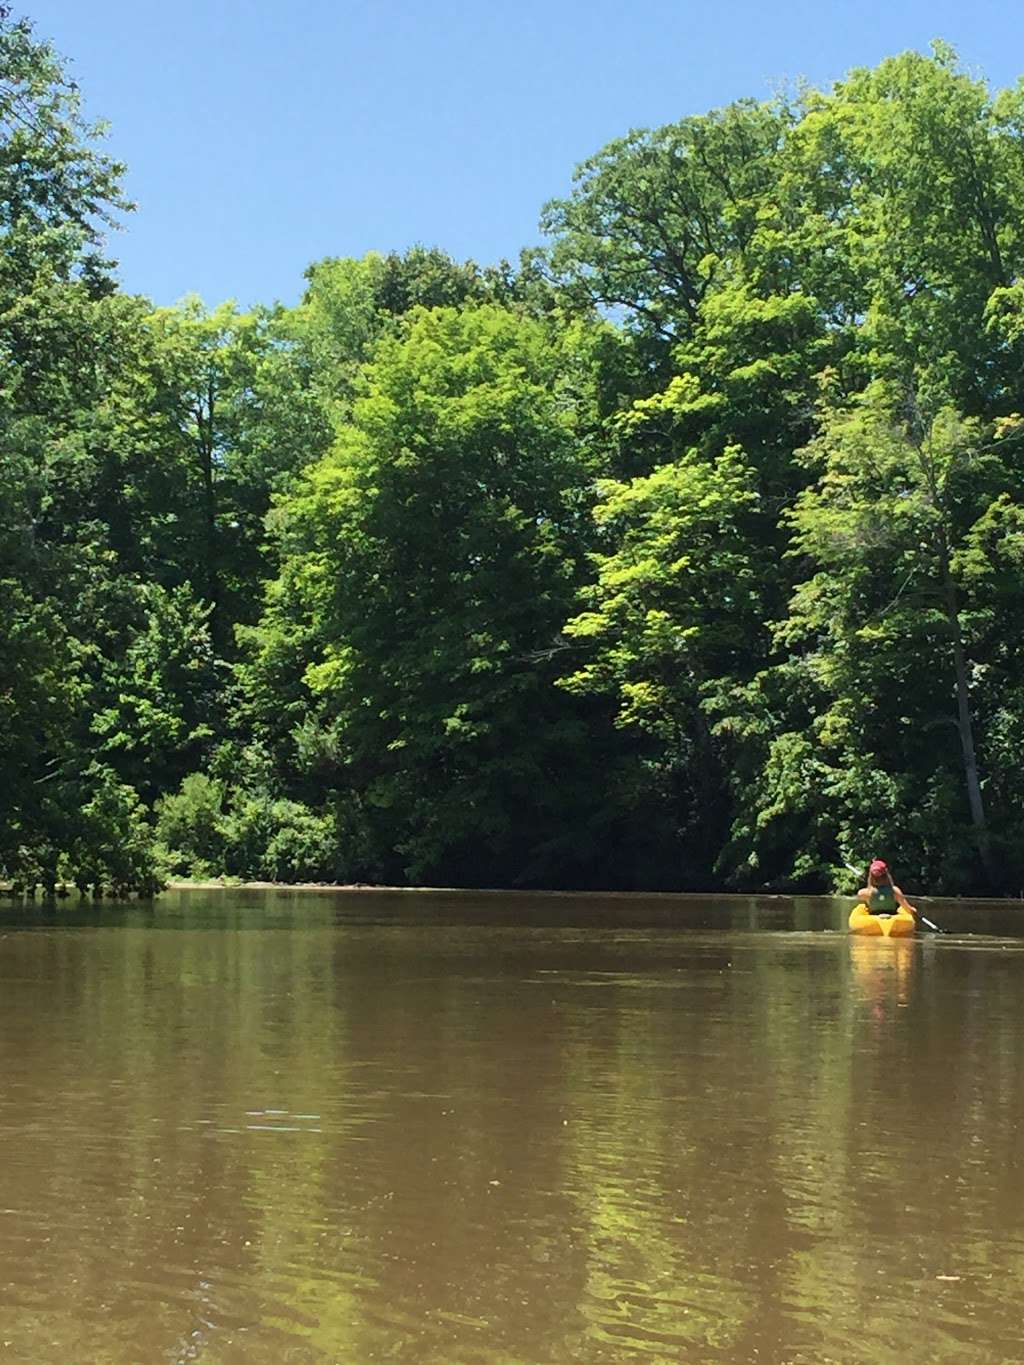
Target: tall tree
x,y
676,606
58,191
431,561
926,171
654,215
888,638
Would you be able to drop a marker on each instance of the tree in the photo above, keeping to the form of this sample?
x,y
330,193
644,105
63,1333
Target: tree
x,y
656,214
901,535
430,561
926,180
226,403
57,190
349,305
676,605
58,328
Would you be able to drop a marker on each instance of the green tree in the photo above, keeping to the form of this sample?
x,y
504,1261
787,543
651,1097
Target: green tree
x,y
350,304
431,560
225,403
61,334
655,215
58,191
924,167
907,535
676,605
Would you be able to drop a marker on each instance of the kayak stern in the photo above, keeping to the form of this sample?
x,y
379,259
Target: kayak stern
x,y
900,925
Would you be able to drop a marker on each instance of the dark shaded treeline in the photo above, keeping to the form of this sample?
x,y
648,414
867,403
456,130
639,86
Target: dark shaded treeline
x,y
685,553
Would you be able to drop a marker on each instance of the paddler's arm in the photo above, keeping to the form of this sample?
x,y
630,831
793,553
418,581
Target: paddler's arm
x,y
902,900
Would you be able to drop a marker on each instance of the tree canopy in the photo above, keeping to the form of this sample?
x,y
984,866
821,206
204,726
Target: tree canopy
x,y
685,552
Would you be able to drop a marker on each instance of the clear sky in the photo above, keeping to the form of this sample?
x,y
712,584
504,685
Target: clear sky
x,y
260,137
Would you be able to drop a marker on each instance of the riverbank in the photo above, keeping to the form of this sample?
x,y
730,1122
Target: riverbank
x,y
232,884
226,884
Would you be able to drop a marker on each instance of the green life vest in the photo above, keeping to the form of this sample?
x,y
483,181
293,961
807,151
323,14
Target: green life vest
x,y
883,900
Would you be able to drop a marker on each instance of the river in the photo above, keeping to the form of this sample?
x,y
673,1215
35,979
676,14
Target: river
x,y
278,1127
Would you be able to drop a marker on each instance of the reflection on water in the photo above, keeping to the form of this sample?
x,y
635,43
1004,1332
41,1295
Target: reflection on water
x,y
248,1129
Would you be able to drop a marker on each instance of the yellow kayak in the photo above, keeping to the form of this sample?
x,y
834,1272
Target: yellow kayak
x,y
900,925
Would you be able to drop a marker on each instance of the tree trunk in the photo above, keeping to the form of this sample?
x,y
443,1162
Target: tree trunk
x,y
205,447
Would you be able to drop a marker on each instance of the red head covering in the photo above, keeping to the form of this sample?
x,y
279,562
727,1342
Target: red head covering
x,y
878,868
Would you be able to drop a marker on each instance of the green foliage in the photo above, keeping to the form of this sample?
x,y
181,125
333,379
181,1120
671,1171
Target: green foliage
x,y
689,551
677,598
877,262
57,190
676,605
188,825
206,828
899,534
281,840
155,700
112,842
936,187
349,305
230,406
434,554
655,215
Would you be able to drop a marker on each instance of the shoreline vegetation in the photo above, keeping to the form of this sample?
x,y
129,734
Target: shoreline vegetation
x,y
486,892
465,890
686,551
557,893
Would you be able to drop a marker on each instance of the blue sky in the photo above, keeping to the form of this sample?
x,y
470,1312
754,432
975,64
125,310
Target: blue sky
x,y
260,137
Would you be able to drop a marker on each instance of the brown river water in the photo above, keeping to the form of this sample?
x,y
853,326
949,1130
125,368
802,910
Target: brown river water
x,y
425,1127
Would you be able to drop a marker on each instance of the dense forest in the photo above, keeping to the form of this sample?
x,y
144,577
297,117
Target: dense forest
x,y
685,552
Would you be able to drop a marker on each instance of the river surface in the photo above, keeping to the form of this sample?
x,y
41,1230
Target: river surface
x,y
423,1127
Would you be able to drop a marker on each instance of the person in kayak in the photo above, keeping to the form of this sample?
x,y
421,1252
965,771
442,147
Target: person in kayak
x,y
881,896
